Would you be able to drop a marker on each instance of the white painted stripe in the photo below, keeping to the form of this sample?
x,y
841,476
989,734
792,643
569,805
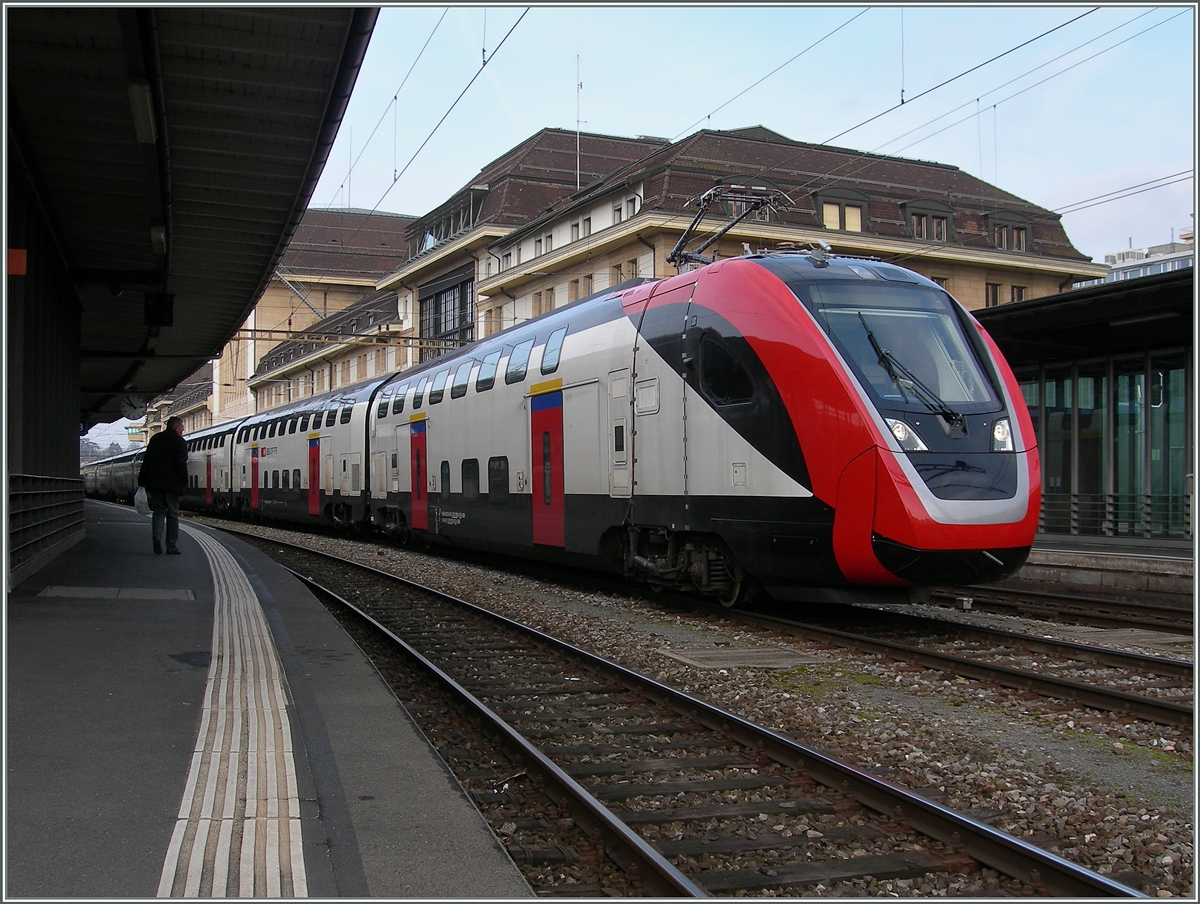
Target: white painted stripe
x,y
239,820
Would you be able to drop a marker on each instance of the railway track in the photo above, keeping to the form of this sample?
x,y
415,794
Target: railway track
x,y
1079,610
1029,662
687,798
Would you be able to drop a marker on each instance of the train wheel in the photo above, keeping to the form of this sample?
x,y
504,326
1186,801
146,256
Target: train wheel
x,y
731,597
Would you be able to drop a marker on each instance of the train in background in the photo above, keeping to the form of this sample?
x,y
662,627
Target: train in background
x,y
813,426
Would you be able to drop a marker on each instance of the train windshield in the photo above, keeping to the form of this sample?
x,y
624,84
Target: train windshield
x,y
905,344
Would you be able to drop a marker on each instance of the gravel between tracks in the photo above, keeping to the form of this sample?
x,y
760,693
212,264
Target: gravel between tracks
x,y
1118,796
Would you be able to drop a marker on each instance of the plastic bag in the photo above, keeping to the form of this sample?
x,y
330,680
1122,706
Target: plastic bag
x,y
140,501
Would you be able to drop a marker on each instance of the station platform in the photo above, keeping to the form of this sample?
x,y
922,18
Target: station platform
x,y
1119,568
199,725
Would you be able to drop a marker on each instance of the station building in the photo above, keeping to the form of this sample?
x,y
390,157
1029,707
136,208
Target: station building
x,y
562,215
332,262
1108,372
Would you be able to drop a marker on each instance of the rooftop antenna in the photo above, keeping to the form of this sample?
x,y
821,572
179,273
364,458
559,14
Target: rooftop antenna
x,y
578,88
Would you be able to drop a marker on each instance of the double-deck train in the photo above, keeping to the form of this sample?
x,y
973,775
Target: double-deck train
x,y
813,426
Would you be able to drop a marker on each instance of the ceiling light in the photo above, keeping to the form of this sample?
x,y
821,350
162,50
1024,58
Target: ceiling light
x,y
142,106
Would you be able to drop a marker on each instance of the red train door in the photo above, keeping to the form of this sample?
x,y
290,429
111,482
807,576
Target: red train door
x,y
314,475
208,486
420,468
254,477
546,445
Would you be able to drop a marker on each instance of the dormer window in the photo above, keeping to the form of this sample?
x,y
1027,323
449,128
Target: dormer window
x,y
1009,231
930,221
843,209
1011,238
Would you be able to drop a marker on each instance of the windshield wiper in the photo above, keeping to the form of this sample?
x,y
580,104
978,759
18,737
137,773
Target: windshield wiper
x,y
927,396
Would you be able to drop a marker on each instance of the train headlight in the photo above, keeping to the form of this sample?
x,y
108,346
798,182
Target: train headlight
x,y
1002,440
906,436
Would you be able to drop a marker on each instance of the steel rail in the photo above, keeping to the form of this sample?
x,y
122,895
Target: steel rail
x,y
1164,712
1171,620
633,853
1179,668
991,847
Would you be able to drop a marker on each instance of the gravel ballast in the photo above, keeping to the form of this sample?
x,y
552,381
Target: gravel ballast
x,y
1114,795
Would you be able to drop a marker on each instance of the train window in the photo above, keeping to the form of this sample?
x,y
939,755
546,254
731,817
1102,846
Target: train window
x,y
274,480
271,429
445,483
385,401
487,372
398,402
223,440
296,478
724,380
553,351
292,423
470,479
285,477
498,480
304,423
420,391
331,416
439,386
462,377
518,361
347,410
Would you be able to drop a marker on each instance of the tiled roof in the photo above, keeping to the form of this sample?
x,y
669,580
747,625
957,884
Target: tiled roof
x,y
676,173
348,242
526,180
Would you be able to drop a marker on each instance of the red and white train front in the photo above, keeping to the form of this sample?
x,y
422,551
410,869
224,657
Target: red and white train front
x,y
911,428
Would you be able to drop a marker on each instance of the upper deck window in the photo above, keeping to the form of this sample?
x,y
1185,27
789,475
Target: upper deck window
x,y
462,377
553,351
439,386
398,401
518,362
487,372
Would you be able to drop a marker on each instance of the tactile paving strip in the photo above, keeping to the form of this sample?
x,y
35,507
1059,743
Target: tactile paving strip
x,y
238,829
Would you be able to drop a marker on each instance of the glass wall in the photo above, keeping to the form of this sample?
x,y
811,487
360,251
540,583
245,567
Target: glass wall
x,y
1115,437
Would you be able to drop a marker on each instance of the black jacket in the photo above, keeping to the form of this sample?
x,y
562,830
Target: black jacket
x,y
164,466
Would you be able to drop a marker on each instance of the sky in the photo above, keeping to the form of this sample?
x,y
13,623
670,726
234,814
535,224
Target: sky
x,y
1115,107
1063,106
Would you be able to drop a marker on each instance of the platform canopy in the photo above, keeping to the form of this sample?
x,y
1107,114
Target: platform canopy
x,y
1112,318
172,150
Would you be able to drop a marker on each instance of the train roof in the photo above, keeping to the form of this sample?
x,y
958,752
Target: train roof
x,y
821,266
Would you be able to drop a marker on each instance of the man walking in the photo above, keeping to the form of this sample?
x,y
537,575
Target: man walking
x,y
164,475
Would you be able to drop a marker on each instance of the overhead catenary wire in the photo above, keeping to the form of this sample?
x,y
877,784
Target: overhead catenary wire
x,y
445,115
393,105
864,155
842,176
1041,82
771,73
1017,78
961,75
